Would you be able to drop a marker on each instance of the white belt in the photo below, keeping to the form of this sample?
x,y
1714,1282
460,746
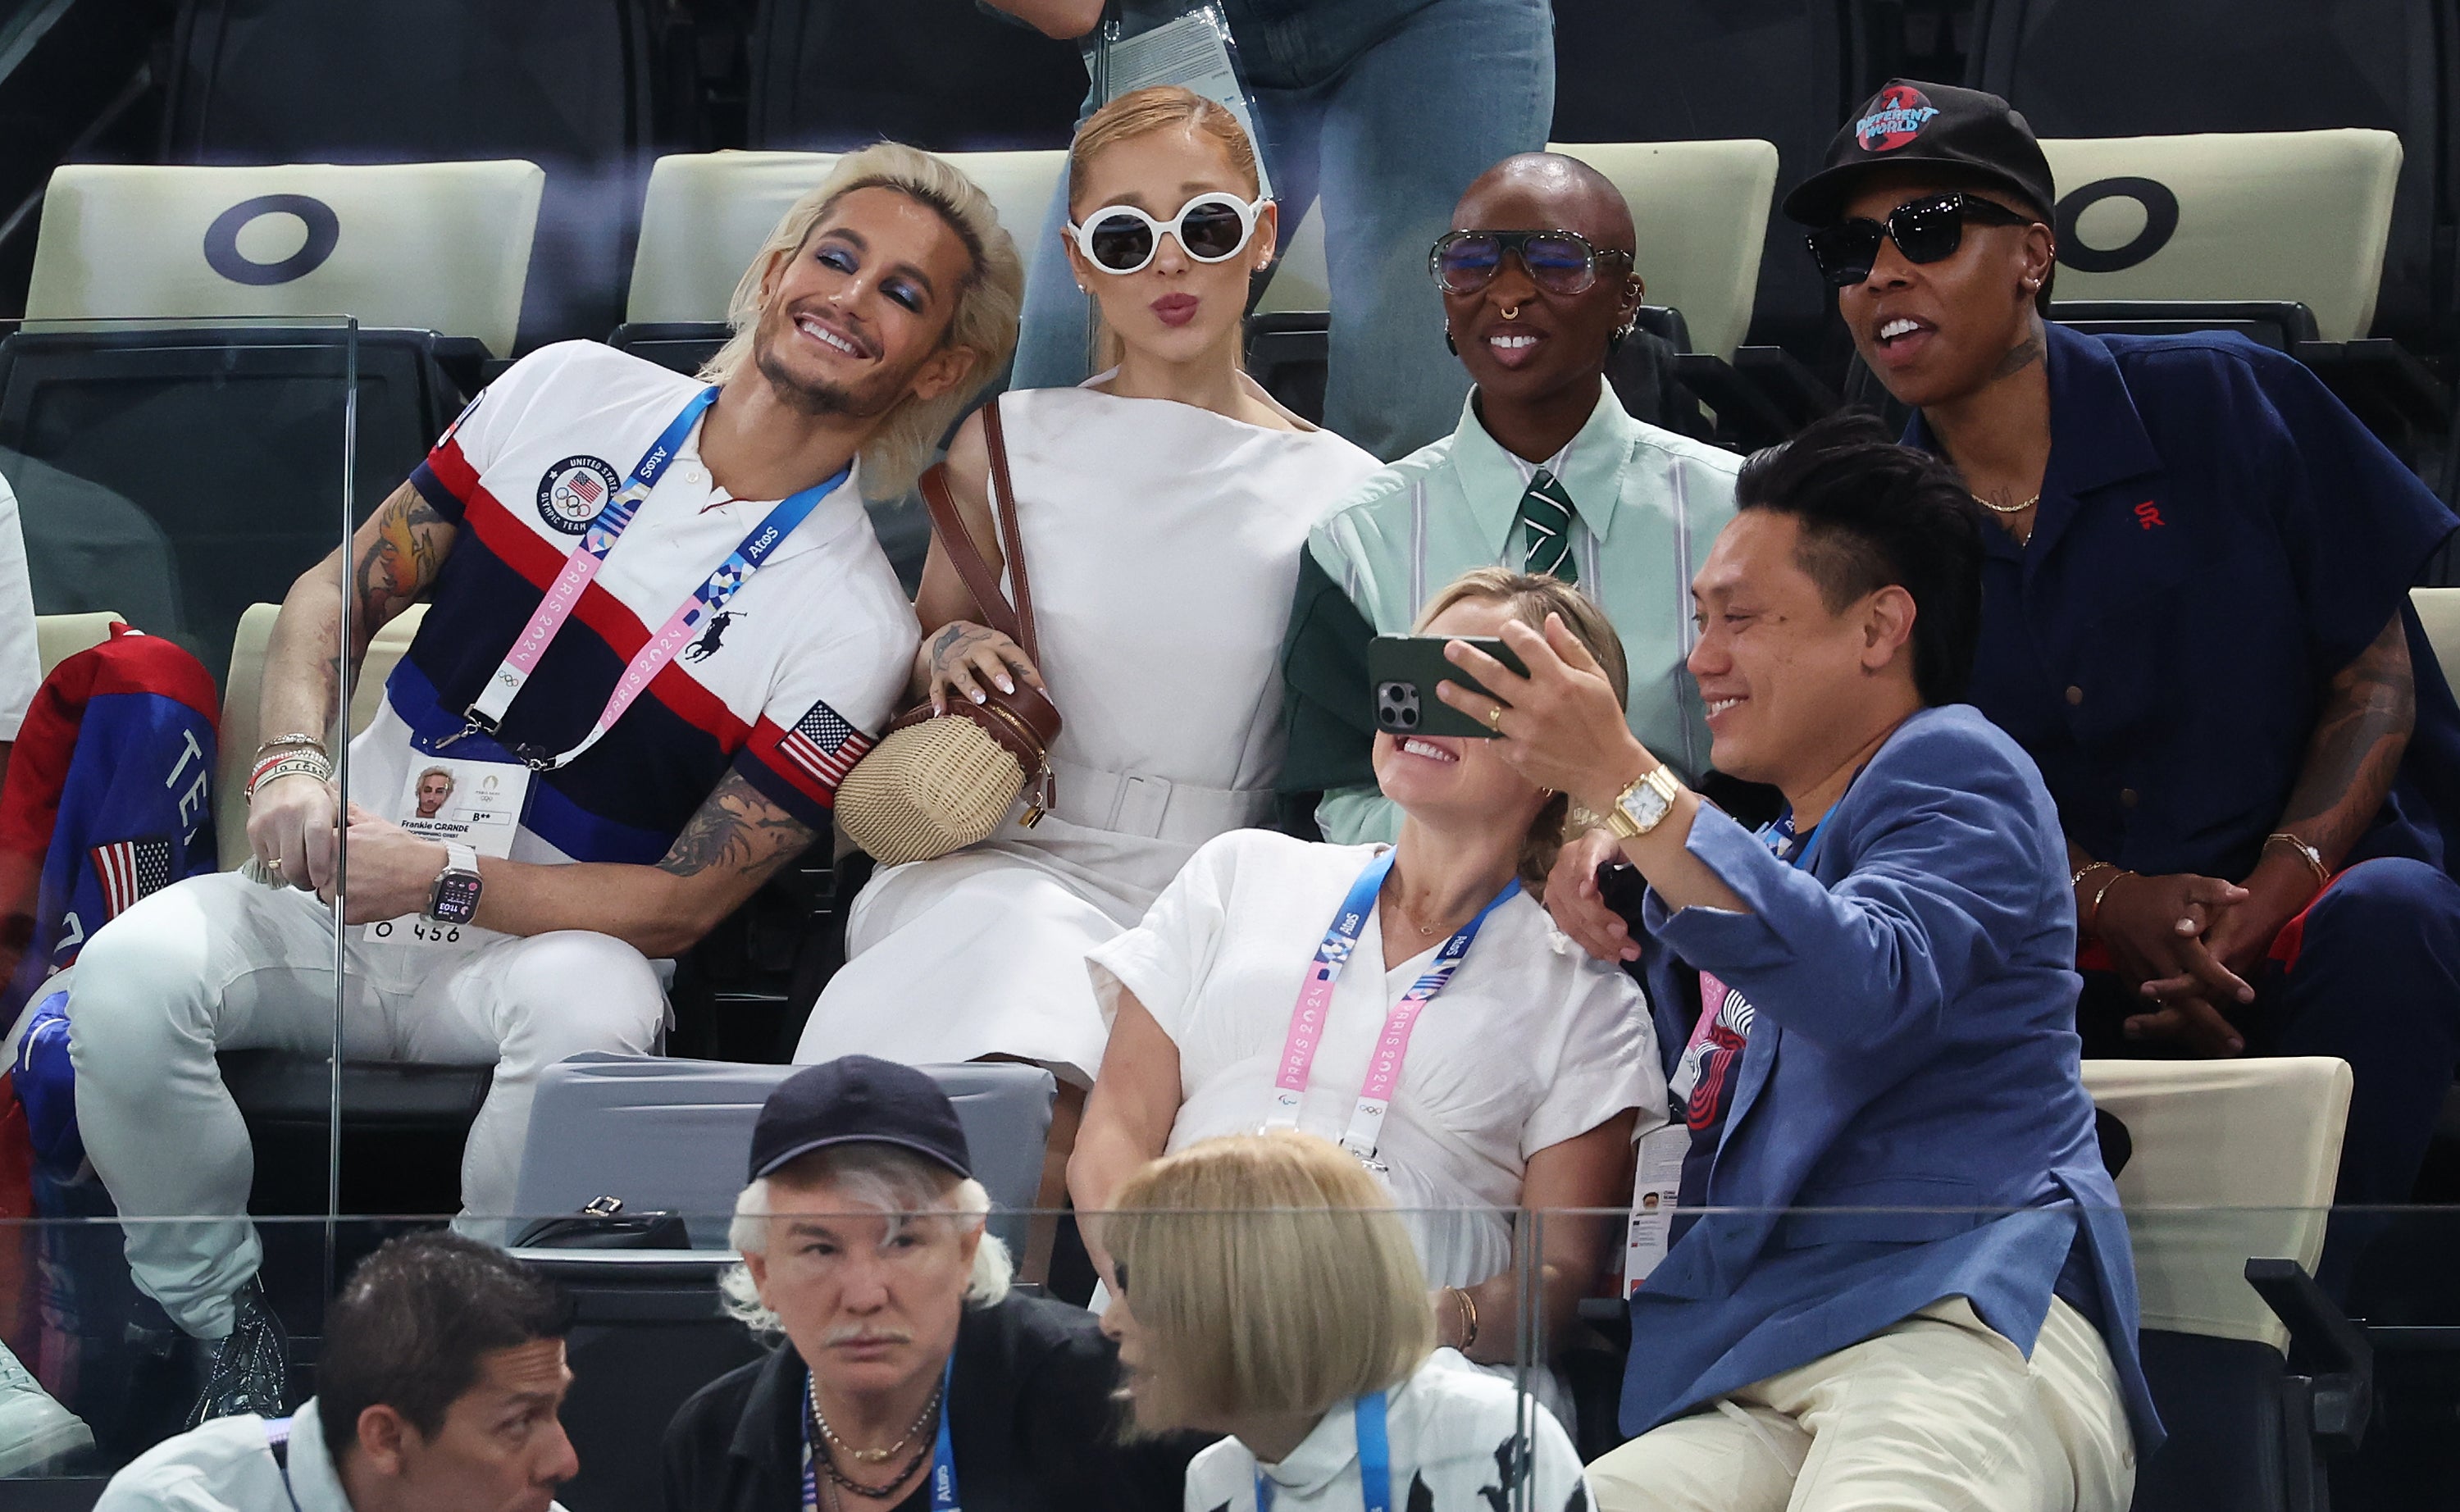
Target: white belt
x,y
1155,807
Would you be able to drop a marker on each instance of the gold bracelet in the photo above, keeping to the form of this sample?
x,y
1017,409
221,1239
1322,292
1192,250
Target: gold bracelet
x,y
2313,858
2087,870
1467,1306
2094,923
315,743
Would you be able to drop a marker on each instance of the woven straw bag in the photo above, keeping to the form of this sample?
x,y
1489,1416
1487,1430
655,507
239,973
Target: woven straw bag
x,y
940,782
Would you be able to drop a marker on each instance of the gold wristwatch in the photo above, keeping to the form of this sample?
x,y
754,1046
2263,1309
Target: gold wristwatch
x,y
1644,805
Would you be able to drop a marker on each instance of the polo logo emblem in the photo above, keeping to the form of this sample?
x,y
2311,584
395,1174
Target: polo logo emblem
x,y
1897,117
2148,514
571,492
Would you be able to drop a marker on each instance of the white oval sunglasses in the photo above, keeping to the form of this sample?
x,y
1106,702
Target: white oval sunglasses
x,y
1213,228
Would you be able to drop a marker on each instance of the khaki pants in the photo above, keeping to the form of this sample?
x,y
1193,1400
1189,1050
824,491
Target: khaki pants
x,y
1936,1413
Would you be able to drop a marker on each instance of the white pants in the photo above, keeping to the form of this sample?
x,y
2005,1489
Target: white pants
x,y
221,963
1936,1412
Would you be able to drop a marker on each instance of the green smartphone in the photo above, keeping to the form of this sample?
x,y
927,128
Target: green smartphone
x,y
1403,670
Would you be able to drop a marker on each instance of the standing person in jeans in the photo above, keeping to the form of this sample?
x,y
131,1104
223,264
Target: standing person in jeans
x,y
1383,108
641,794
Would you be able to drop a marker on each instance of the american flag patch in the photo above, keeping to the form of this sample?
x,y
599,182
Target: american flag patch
x,y
589,489
823,745
130,870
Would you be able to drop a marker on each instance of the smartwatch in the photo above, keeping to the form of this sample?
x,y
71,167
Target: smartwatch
x,y
456,897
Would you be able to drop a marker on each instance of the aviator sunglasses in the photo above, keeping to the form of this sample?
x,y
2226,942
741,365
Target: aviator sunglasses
x,y
1558,261
1213,228
1925,231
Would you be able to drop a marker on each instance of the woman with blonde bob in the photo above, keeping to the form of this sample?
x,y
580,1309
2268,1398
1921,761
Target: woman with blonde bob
x,y
1522,1071
1164,506
1267,1290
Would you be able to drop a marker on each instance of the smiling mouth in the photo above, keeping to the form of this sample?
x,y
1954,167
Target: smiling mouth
x,y
812,326
1718,706
1900,329
1413,746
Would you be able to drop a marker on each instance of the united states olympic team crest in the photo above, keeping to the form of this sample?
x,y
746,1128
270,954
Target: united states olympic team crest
x,y
573,491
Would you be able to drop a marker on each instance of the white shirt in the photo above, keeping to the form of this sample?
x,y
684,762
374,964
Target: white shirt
x,y
226,1466
1453,1432
1531,1044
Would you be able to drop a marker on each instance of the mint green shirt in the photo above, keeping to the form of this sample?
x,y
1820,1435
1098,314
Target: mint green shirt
x,y
1648,504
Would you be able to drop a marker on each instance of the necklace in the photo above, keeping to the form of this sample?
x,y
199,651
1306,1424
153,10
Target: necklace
x,y
868,1457
2006,509
881,1493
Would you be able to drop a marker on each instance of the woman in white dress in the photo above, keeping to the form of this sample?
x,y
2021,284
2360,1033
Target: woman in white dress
x,y
1164,506
1521,1084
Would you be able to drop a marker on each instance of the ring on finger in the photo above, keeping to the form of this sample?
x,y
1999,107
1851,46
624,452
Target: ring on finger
x,y
1495,719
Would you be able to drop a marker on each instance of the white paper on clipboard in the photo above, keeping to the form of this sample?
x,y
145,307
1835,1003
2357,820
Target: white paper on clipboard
x,y
1192,52
1656,1180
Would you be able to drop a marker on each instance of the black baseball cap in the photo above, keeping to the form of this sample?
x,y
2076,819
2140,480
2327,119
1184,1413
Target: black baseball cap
x,y
1911,122
856,1100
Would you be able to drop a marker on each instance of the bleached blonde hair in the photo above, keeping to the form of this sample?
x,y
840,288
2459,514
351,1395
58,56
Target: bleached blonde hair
x,y
985,319
1273,1274
880,1177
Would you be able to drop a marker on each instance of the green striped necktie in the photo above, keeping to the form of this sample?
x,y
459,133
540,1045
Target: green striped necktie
x,y
1546,525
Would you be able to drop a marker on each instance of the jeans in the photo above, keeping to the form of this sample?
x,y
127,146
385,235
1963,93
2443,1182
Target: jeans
x,y
1385,111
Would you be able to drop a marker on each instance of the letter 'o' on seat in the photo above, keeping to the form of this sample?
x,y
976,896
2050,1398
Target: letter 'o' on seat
x,y
2233,1160
441,246
1700,209
706,214
2292,216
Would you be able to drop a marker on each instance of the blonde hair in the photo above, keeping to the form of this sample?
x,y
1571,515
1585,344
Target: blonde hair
x,y
1529,597
1141,113
1273,1274
882,1178
983,321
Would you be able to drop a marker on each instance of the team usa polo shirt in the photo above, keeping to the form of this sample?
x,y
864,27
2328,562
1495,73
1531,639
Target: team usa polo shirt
x,y
786,685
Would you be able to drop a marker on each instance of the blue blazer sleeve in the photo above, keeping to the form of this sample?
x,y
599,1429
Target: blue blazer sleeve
x,y
1933,874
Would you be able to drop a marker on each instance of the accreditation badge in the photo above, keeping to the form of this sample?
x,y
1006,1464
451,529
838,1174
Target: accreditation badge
x,y
473,803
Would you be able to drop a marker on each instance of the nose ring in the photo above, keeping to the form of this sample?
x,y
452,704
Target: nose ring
x,y
1512,313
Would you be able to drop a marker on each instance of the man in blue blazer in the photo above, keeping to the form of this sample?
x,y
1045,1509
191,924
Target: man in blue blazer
x,y
1899,1275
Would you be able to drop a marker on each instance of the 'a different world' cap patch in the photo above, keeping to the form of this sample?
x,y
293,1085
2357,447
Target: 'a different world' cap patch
x,y
1897,116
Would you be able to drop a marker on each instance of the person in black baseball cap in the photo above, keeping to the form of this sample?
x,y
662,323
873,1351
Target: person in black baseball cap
x,y
912,1377
2195,619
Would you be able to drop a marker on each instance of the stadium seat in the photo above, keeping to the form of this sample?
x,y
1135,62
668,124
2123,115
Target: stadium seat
x,y
946,75
57,637
707,215
2438,611
420,246
1783,71
572,85
2125,69
2290,216
2234,1162
671,1135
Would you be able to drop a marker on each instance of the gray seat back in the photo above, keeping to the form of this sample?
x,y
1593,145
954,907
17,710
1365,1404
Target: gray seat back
x,y
676,1135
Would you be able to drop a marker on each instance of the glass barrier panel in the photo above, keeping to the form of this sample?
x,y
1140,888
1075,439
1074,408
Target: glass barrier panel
x,y
1314,1301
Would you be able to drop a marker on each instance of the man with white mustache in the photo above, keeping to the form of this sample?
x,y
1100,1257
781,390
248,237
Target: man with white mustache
x,y
1545,473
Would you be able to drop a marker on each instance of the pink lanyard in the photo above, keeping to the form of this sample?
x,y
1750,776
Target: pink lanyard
x,y
1392,1046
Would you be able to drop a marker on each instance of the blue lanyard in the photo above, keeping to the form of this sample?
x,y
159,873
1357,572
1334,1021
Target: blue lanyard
x,y
943,1480
563,596
1374,1459
1779,837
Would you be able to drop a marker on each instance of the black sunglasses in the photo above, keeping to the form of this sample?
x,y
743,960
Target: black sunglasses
x,y
1925,231
1558,261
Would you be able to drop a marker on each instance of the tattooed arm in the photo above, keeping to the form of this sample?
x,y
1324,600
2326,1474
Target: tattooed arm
x,y
2351,758
309,668
957,656
736,840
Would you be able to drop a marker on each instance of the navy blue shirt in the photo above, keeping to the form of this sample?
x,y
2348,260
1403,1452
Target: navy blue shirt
x,y
2217,537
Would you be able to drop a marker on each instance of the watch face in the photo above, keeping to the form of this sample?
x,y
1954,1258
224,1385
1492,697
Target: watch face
x,y
456,897
1644,804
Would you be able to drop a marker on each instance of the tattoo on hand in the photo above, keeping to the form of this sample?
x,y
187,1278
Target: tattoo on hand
x,y
737,830
957,641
